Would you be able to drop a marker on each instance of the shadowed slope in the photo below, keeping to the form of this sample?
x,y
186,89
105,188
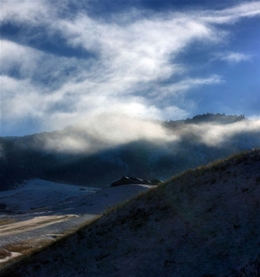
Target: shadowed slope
x,y
204,222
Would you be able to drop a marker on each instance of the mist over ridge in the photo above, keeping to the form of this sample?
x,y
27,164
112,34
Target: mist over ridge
x,y
100,150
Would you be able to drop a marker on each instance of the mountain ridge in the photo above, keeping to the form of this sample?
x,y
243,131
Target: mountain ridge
x,y
154,150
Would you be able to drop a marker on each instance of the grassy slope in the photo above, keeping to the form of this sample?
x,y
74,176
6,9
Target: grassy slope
x,y
204,222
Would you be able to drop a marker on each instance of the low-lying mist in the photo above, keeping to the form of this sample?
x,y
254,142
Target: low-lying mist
x,y
101,149
107,131
112,130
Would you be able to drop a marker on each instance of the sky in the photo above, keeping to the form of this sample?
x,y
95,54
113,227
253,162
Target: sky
x,y
65,61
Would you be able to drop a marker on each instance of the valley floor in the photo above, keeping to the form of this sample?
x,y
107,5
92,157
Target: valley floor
x,y
39,212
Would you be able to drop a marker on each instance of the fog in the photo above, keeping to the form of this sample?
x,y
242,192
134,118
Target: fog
x,y
112,130
106,131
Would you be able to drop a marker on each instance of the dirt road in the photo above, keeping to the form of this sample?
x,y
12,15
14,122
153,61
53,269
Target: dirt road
x,y
32,224
41,212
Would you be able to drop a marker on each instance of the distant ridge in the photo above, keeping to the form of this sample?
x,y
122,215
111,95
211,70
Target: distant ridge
x,y
221,118
184,146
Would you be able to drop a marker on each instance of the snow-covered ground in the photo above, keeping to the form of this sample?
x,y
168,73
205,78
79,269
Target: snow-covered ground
x,y
43,210
36,194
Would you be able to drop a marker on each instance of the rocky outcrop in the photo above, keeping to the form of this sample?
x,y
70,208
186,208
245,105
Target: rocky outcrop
x,y
127,180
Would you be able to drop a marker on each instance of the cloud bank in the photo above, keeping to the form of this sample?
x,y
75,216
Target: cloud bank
x,y
125,63
108,131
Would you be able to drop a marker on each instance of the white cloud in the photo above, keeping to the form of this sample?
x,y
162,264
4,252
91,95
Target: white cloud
x,y
131,59
233,14
134,55
38,66
33,12
140,51
15,57
233,57
19,98
184,85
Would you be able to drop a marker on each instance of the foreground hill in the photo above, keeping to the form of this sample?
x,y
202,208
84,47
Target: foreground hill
x,y
204,222
104,149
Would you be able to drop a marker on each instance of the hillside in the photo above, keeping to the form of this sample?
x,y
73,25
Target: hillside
x,y
204,222
124,146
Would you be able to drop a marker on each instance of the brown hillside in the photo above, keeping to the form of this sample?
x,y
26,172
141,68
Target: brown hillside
x,y
204,222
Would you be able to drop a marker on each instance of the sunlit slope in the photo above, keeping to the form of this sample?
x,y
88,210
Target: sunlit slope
x,y
204,222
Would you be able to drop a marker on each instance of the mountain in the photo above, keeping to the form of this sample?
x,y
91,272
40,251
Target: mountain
x,y
203,222
105,149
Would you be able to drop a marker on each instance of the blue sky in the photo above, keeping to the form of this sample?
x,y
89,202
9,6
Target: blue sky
x,y
65,61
